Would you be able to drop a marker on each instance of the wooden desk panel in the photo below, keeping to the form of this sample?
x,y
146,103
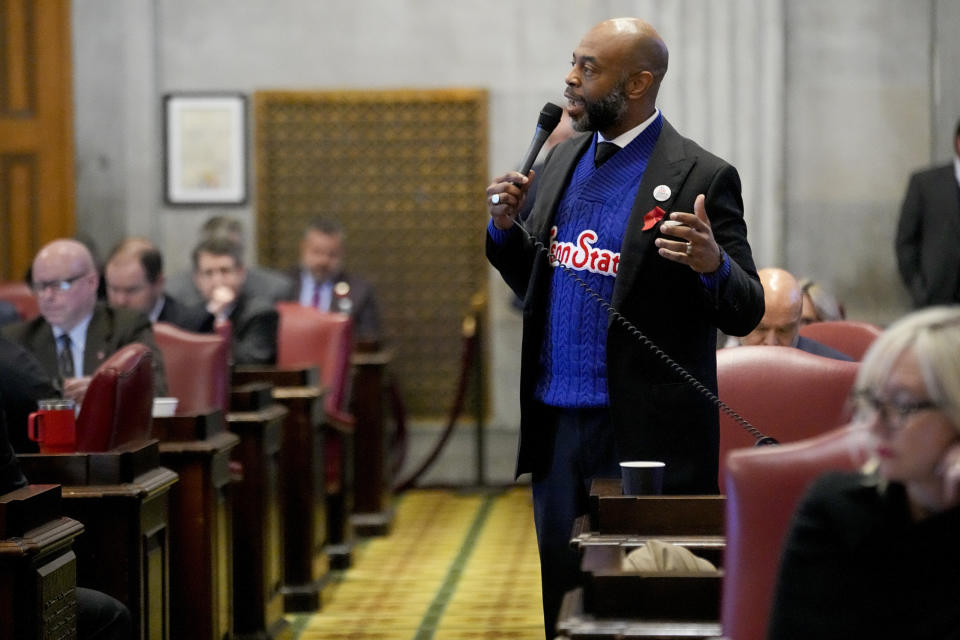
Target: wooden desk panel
x,y
306,564
201,534
257,522
38,572
372,511
125,551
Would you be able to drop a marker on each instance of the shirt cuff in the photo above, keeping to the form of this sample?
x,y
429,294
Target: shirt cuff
x,y
713,281
499,236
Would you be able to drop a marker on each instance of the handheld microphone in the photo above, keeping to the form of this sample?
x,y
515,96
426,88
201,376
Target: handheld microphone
x,y
546,123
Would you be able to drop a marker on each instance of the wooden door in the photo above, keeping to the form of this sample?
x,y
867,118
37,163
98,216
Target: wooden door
x,y
36,130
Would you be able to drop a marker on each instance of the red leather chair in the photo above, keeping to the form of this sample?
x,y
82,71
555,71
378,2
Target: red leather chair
x,y
786,393
197,367
764,486
308,337
846,336
118,405
20,296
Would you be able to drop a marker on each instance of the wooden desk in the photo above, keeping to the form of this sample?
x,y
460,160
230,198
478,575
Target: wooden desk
x,y
306,564
695,522
122,498
613,603
257,522
575,624
201,524
38,571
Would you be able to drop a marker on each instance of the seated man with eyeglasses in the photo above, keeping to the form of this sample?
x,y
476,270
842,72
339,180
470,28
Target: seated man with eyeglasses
x,y
75,333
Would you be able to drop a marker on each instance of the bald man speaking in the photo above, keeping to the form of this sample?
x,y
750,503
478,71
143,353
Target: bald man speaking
x,y
653,223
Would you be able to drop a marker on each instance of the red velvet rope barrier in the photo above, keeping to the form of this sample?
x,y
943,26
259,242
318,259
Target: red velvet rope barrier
x,y
466,360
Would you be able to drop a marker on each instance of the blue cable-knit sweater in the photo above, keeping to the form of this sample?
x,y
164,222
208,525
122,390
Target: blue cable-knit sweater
x,y
587,235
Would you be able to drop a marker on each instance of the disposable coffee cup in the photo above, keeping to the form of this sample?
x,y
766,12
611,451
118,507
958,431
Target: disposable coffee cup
x,y
642,477
164,407
53,426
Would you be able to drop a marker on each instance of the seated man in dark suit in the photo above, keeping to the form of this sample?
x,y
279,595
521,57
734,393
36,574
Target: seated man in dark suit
x,y
99,616
321,282
135,280
783,300
219,274
265,284
75,333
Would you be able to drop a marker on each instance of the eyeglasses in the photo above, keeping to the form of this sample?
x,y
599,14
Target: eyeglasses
x,y
894,414
56,285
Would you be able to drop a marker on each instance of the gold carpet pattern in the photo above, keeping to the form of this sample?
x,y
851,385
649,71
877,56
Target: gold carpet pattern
x,y
456,566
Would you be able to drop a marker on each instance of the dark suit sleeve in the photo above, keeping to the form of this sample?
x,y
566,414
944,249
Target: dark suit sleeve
x,y
10,475
367,317
908,242
23,382
255,339
142,332
738,302
513,258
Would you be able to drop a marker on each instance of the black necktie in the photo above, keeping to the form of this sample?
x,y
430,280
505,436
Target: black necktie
x,y
65,358
603,153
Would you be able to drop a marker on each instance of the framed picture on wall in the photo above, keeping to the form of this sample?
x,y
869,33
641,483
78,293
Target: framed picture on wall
x,y
205,148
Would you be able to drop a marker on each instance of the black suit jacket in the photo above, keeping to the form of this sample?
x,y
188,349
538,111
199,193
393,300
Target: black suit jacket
x,y
11,477
189,318
928,237
23,382
656,415
255,323
362,305
109,330
855,565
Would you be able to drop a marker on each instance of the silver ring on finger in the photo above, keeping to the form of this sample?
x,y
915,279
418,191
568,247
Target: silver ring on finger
x,y
495,198
689,249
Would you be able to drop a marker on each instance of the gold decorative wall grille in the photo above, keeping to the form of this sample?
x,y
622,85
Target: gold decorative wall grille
x,y
404,173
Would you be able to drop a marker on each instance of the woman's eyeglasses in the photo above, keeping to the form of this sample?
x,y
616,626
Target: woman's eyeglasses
x,y
894,413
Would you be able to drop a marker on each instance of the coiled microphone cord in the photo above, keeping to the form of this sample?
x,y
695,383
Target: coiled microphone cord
x,y
676,367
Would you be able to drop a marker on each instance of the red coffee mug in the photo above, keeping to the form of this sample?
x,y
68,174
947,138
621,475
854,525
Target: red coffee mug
x,y
54,426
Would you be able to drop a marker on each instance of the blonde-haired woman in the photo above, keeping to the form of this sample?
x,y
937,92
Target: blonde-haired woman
x,y
876,553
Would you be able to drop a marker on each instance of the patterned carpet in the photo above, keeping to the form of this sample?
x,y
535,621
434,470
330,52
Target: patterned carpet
x,y
456,566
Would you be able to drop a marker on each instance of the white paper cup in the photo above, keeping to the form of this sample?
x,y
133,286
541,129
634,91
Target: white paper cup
x,y
642,477
164,407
